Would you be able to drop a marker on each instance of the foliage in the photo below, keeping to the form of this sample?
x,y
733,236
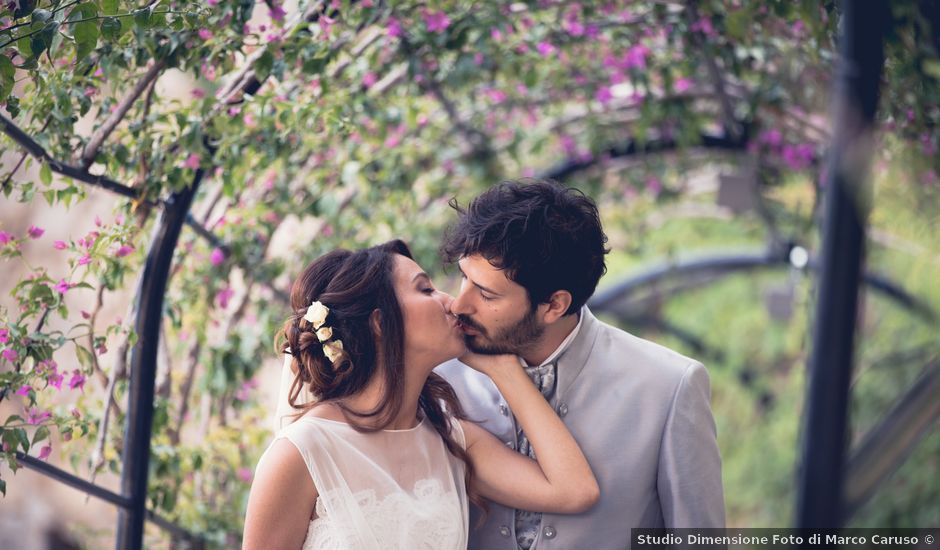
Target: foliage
x,y
367,118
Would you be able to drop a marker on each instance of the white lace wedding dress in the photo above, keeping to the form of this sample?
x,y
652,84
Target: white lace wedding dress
x,y
394,489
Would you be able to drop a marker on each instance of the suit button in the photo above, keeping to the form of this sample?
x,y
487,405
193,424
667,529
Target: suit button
x,y
503,409
511,445
549,532
504,531
562,410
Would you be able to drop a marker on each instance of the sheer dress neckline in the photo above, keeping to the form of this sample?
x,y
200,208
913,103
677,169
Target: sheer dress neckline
x,y
347,425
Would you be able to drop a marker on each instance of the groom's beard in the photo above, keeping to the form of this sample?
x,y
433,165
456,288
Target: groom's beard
x,y
514,339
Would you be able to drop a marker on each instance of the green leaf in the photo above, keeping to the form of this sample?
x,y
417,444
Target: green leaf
x,y
85,358
264,64
110,28
23,8
41,433
109,7
3,487
42,15
45,174
23,438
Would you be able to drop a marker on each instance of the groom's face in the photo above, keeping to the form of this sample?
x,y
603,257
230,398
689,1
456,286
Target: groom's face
x,y
494,312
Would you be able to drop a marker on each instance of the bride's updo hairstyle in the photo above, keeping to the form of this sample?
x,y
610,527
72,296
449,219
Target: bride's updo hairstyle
x,y
358,288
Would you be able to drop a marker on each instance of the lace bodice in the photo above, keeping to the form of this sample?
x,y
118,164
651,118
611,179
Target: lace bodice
x,y
394,489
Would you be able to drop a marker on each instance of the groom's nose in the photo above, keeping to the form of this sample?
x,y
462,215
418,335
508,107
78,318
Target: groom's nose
x,y
461,304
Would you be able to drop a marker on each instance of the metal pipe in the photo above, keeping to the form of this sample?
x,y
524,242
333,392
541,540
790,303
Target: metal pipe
x,y
72,480
819,500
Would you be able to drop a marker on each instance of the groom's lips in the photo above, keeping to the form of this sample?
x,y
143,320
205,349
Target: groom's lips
x,y
467,330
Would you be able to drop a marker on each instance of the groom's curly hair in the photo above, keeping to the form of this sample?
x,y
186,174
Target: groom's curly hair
x,y
547,237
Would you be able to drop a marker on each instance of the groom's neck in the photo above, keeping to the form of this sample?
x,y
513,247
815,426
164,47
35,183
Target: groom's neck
x,y
553,336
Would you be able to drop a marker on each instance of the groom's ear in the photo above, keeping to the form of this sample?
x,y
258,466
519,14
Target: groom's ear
x,y
556,306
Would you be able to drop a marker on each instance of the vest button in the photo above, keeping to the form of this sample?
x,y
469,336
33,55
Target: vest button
x,y
504,531
511,445
562,410
549,532
503,409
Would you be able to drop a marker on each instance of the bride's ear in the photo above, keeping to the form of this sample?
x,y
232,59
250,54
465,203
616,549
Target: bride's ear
x,y
375,323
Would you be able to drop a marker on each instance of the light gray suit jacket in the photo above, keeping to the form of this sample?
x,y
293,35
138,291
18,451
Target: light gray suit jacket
x,y
641,415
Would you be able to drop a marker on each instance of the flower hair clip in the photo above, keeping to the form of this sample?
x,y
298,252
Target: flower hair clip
x,y
316,315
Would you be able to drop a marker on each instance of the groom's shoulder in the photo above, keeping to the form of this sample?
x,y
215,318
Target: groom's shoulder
x,y
639,354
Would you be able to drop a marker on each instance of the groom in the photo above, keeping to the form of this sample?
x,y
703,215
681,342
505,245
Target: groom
x,y
530,255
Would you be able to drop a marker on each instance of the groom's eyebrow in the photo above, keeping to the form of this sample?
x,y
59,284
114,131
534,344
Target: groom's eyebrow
x,y
476,284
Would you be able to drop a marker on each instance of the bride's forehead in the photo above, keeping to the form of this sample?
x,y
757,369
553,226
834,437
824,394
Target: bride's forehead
x,y
405,268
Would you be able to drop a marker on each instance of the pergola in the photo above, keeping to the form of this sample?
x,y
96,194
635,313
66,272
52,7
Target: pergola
x,y
832,485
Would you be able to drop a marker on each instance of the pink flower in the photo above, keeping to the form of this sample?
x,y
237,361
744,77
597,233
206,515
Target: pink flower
x,y
5,237
393,28
496,96
436,21
495,34
45,452
772,137
76,413
217,257
223,296
84,260
603,94
245,474
205,34
55,379
636,57
35,232
124,250
208,71
545,49
478,59
35,416
4,335
192,161
62,286
86,315
10,354
704,25
198,93
249,120
326,24
77,380
683,84
277,13
60,245
24,390
369,79
212,3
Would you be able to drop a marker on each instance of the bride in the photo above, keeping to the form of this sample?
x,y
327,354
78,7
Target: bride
x,y
385,458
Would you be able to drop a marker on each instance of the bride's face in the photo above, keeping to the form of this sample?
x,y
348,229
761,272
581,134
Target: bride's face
x,y
431,333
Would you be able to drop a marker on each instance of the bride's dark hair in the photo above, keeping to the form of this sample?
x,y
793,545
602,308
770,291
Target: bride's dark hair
x,y
353,285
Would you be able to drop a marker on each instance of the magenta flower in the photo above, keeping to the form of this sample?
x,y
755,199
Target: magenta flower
x,y
60,245
77,380
636,57
603,94
84,260
369,79
436,21
10,354
683,84
245,474
393,28
4,335
223,296
35,232
5,237
654,186
55,379
217,257
212,3
496,34
496,96
62,286
35,416
192,161
198,93
277,13
205,34
45,452
124,250
545,49
772,137
24,390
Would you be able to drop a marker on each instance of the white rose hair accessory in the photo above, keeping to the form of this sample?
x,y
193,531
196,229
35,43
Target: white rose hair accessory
x,y
316,315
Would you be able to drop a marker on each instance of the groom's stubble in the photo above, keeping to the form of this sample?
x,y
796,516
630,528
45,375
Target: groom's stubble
x,y
515,339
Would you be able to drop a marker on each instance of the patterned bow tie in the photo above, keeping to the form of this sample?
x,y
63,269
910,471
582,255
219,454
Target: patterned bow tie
x,y
543,376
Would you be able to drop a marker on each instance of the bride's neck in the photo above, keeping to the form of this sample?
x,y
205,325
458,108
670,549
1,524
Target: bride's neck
x,y
370,397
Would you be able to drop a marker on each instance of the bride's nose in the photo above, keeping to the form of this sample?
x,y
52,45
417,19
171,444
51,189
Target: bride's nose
x,y
446,300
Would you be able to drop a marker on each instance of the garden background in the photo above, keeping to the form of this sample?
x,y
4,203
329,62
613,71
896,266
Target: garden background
x,y
700,128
